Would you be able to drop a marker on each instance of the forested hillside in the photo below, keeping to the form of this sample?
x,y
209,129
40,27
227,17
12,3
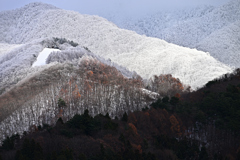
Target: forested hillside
x,y
76,86
89,84
201,125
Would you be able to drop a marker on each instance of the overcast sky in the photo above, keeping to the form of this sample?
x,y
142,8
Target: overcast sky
x,y
108,6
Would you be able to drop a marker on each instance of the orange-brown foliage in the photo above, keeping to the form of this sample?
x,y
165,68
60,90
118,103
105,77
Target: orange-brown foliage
x,y
76,93
175,127
177,95
132,118
137,147
166,85
60,114
146,113
133,128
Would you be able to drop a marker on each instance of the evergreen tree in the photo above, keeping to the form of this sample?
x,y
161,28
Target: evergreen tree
x,y
125,117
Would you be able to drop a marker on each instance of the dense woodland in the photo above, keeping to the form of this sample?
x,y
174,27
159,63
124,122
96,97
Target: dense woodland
x,y
89,85
200,125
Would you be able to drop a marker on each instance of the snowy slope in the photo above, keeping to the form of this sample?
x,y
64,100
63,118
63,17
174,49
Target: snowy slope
x,y
194,28
147,56
193,31
42,57
19,63
12,21
153,25
5,48
227,44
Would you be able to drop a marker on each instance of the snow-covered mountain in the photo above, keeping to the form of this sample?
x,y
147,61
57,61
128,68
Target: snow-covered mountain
x,y
226,42
84,66
147,56
34,76
154,24
205,28
20,61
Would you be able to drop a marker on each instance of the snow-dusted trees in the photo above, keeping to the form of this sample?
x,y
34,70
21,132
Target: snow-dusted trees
x,y
89,85
139,53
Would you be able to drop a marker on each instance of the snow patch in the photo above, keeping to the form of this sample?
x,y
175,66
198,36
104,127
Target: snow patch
x,y
42,57
153,95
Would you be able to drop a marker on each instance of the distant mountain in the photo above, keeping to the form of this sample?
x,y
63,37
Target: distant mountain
x,y
226,46
154,24
147,56
210,29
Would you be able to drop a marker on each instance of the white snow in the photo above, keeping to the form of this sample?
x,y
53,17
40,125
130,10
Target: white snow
x,y
226,46
5,48
147,56
210,29
42,57
151,94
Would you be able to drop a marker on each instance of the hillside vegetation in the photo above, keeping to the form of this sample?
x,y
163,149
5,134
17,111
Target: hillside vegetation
x,y
76,86
202,125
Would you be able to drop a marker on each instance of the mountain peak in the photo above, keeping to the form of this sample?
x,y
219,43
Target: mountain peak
x,y
39,5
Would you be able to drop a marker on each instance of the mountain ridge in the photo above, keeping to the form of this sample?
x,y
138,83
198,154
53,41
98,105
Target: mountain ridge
x,y
121,46
191,27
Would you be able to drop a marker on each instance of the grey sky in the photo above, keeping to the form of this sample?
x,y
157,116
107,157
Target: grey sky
x,y
108,6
